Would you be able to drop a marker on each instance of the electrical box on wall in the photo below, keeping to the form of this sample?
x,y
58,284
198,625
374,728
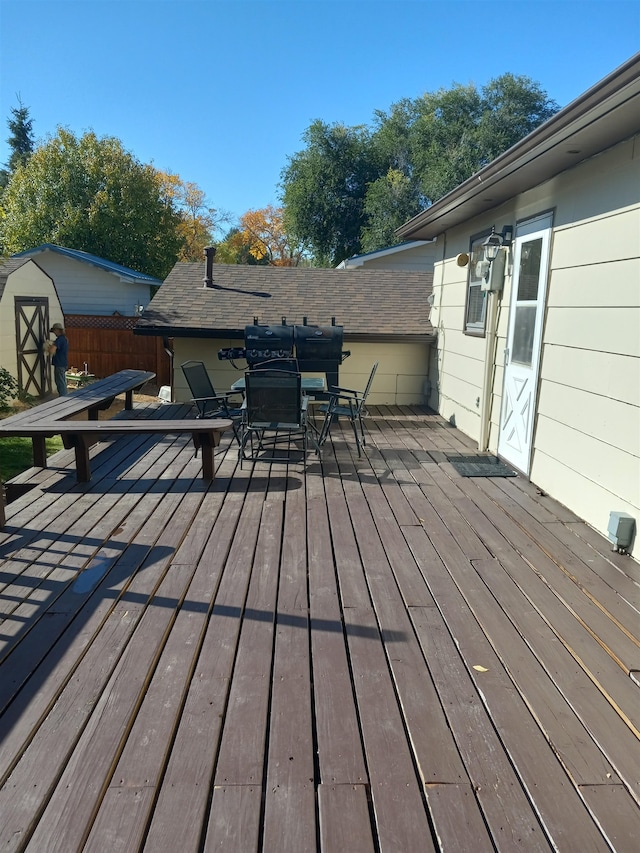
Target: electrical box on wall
x,y
494,280
621,529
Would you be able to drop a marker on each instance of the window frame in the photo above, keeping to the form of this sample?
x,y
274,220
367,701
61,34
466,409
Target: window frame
x,y
478,328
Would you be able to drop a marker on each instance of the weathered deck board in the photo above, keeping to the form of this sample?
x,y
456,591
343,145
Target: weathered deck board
x,y
369,654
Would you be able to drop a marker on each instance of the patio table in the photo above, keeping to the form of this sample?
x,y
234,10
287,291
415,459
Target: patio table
x,y
310,384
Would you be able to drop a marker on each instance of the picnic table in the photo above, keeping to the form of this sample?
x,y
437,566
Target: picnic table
x,y
56,417
92,399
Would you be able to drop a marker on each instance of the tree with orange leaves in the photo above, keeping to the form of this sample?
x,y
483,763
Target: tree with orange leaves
x,y
198,221
264,233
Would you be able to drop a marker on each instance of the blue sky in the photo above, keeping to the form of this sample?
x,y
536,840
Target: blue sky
x,y
221,91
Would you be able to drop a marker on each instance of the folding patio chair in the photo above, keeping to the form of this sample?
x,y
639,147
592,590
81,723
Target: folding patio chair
x,y
274,412
208,403
346,403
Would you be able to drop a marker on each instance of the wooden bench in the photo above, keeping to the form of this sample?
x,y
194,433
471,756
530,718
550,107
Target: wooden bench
x,y
90,399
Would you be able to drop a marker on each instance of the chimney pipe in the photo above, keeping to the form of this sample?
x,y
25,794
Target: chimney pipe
x,y
210,253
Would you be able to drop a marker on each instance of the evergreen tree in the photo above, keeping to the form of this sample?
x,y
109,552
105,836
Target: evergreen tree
x,y
20,141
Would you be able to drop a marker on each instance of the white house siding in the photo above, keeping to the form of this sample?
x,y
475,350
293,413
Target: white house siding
x,y
457,368
399,379
86,289
410,259
586,451
28,280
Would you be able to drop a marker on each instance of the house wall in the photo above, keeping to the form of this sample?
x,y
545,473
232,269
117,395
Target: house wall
x,y
586,442
413,259
399,379
27,280
85,289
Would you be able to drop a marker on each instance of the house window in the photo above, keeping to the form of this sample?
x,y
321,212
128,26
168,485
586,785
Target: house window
x,y
475,315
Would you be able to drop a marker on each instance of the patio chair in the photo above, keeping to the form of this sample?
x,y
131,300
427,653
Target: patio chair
x,y
208,403
274,412
346,403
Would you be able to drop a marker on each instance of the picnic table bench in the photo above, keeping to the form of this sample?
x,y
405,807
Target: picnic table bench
x,y
55,418
92,399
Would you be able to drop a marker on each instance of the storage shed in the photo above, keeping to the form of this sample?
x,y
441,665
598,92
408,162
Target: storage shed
x,y
29,305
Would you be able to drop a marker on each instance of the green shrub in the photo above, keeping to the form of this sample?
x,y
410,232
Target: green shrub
x,y
8,388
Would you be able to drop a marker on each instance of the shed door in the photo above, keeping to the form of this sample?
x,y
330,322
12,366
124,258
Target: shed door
x,y
522,355
32,328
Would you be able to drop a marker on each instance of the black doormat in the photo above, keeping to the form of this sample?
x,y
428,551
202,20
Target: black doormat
x,y
480,466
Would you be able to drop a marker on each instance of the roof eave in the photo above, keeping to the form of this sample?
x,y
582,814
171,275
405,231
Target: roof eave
x,y
223,334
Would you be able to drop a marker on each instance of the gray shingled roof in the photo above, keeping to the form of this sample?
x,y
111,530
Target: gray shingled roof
x,y
368,303
7,266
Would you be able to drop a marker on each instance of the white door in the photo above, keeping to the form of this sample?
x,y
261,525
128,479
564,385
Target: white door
x,y
522,355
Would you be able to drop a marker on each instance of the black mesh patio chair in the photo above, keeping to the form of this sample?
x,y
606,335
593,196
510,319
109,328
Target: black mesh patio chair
x,y
274,413
347,403
208,403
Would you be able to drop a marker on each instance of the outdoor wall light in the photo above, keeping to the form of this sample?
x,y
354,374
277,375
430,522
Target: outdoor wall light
x,y
494,242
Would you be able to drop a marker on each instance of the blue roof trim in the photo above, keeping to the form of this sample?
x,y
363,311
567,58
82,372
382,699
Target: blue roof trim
x,y
85,257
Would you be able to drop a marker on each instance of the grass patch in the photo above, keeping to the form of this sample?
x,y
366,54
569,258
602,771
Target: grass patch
x,y
16,454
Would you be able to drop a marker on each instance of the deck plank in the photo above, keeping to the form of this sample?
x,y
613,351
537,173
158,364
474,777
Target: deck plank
x,y
344,819
340,754
289,807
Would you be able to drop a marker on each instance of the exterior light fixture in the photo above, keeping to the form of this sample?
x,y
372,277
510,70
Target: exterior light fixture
x,y
494,242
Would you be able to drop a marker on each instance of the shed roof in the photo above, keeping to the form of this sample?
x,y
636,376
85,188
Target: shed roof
x,y
604,115
368,303
84,257
9,265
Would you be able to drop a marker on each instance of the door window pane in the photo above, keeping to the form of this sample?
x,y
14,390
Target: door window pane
x,y
529,275
524,325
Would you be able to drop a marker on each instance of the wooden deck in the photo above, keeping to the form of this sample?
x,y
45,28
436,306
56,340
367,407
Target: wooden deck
x,y
363,656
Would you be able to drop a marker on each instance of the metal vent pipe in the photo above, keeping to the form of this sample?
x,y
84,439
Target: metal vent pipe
x,y
210,253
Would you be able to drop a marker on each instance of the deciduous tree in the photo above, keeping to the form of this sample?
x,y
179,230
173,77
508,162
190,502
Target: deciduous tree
x,y
457,131
389,203
198,219
349,189
268,240
324,187
91,194
236,249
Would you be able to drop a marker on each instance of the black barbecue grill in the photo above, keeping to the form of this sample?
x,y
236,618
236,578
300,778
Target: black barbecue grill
x,y
318,349
267,343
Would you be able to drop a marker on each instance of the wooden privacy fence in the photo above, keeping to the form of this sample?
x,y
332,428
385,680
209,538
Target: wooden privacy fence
x,y
107,344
